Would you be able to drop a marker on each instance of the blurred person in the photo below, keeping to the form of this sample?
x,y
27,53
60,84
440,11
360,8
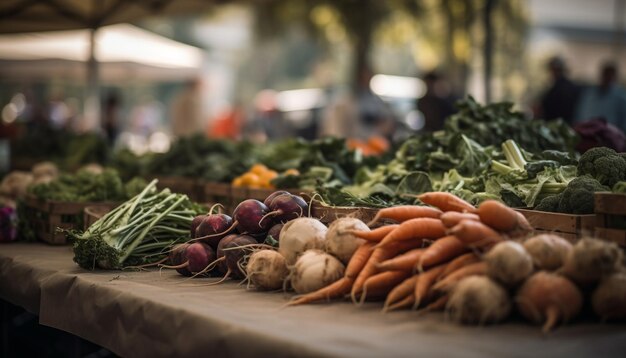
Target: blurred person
x,y
436,104
110,116
186,110
561,98
606,100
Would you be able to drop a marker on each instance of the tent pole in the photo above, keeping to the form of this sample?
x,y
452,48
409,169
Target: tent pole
x,y
92,100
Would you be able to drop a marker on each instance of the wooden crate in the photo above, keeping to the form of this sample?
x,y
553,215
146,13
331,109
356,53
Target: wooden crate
x,y
611,217
45,216
217,193
328,214
182,185
570,226
92,213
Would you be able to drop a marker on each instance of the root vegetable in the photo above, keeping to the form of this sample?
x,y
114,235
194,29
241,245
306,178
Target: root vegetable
x,y
230,253
315,269
548,251
478,300
442,250
267,269
548,298
271,197
375,235
192,259
475,234
592,259
509,263
214,227
497,215
285,207
448,283
300,235
425,228
446,202
403,213
609,298
339,242
451,218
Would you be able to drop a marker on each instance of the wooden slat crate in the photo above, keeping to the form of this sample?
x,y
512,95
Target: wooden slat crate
x,y
217,193
92,213
611,217
46,216
182,185
570,226
328,214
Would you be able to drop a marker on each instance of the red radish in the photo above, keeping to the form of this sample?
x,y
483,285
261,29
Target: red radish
x,y
275,231
194,225
231,253
211,226
286,207
549,298
609,298
271,197
193,258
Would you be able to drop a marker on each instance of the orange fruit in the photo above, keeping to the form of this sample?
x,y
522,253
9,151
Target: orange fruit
x,y
258,169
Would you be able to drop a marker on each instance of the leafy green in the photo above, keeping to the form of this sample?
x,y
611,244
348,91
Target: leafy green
x,y
84,186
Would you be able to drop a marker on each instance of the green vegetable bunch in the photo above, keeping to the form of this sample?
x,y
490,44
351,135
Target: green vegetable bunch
x,y
140,231
83,186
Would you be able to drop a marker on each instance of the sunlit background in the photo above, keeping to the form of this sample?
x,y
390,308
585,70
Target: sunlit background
x,y
296,58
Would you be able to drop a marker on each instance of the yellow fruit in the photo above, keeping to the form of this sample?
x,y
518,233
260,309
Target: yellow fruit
x,y
250,179
238,181
258,169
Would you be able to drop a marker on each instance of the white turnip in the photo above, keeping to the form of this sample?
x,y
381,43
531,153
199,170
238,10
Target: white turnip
x,y
549,298
267,269
478,300
340,242
592,259
609,298
509,263
315,269
548,251
300,235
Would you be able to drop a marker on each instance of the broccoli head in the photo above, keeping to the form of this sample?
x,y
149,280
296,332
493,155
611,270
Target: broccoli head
x,y
549,203
604,164
577,198
620,187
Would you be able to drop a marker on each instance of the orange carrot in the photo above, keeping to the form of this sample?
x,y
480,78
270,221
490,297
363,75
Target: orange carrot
x,y
451,218
441,251
378,255
446,201
475,234
404,262
497,215
475,269
405,212
342,286
424,281
425,228
457,263
408,301
401,291
375,235
381,284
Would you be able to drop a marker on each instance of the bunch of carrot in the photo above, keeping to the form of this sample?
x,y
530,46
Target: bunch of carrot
x,y
416,262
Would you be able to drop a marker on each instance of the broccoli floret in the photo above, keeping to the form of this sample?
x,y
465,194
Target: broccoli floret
x,y
577,198
604,164
620,187
549,203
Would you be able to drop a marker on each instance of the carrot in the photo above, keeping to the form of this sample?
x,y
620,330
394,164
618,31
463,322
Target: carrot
x,y
342,286
404,262
446,284
497,215
446,201
375,235
437,305
378,255
401,291
424,282
451,218
405,212
408,301
475,234
381,284
441,251
457,263
426,228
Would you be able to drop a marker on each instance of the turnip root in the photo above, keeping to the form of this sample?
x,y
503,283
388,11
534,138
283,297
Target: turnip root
x,y
339,242
300,235
315,269
267,269
478,300
509,263
548,251
592,259
609,298
549,298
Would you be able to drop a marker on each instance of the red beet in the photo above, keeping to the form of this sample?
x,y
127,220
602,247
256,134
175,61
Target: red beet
x,y
213,228
232,256
194,225
271,197
286,207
